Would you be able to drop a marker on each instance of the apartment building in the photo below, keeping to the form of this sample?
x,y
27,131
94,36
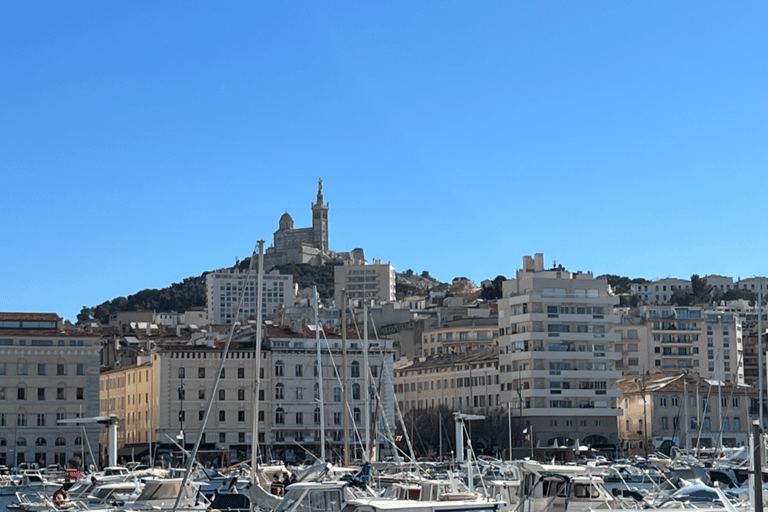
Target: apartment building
x,y
289,418
225,287
458,336
47,373
557,355
373,284
633,345
682,409
461,381
133,395
659,291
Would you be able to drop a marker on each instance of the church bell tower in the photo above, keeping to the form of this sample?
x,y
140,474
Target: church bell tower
x,y
320,219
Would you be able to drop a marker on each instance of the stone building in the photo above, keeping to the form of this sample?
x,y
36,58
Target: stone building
x,y
48,372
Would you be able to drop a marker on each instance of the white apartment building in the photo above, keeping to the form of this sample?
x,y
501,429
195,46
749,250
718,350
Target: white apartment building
x,y
47,373
755,284
659,291
725,347
634,346
374,283
722,283
224,287
558,355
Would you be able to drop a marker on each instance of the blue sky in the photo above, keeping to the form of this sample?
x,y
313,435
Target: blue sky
x,y
142,142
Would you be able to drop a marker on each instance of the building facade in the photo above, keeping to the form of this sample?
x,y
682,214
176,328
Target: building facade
x,y
372,284
557,360
224,288
47,373
682,409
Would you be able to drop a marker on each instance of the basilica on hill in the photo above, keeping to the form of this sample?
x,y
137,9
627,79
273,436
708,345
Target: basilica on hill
x,y
306,245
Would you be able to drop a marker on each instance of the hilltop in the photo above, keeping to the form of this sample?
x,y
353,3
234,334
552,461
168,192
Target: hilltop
x,y
190,293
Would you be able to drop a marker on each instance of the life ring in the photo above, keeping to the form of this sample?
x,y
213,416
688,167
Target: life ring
x,y
59,497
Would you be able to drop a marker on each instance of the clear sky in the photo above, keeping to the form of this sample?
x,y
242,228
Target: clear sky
x,y
145,142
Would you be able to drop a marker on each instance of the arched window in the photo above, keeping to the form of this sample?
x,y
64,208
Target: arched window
x,y
279,391
355,391
40,441
356,414
61,441
355,369
279,369
279,416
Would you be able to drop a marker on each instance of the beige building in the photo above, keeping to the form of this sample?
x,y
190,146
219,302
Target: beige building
x,y
132,394
373,284
460,336
462,381
48,372
558,355
684,410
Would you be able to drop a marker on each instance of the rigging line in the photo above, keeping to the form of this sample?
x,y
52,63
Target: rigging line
x,y
338,379
701,427
208,408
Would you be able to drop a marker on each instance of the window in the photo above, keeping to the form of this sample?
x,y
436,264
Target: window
x,y
200,415
355,391
299,393
221,375
298,370
201,394
21,368
222,437
21,420
279,369
299,418
356,415
279,416
279,391
317,416
201,372
337,418
240,416
41,368
181,372
41,393
355,369
80,369
241,394
241,373
61,394
222,394
41,420
80,394
337,394
222,416
21,393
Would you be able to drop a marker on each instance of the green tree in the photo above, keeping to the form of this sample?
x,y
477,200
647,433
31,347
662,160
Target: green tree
x,y
701,291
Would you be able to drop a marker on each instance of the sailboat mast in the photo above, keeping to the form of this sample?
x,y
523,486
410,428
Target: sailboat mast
x,y
319,396
366,384
257,365
345,401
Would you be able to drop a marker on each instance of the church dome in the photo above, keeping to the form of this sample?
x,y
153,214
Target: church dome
x,y
286,221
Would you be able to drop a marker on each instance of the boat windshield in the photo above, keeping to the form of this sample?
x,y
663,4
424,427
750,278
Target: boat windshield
x,y
315,500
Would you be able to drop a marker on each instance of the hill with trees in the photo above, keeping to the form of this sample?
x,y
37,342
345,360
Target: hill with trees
x,y
190,293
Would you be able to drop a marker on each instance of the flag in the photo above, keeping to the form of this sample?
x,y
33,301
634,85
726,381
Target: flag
x,y
525,433
398,439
